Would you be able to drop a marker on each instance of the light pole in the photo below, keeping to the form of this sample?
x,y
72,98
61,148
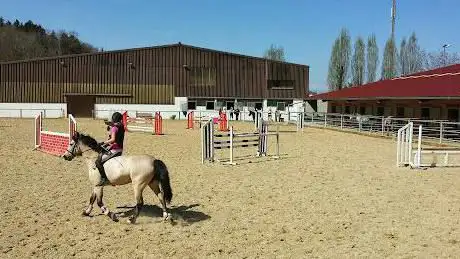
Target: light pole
x,y
445,46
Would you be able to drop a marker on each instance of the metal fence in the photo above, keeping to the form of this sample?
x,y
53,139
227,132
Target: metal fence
x,y
439,131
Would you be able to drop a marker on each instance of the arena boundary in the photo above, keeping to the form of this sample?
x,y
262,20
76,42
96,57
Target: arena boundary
x,y
50,142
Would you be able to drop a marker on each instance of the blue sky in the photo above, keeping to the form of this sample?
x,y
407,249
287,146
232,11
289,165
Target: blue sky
x,y
306,29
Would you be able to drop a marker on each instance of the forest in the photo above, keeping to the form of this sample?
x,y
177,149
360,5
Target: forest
x,y
28,40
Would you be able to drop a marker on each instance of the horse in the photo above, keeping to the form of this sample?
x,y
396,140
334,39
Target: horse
x,y
140,170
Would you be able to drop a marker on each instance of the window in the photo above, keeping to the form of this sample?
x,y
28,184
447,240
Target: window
x,y
362,110
210,105
425,113
271,103
281,106
191,105
347,109
202,76
280,84
258,106
229,105
399,111
380,111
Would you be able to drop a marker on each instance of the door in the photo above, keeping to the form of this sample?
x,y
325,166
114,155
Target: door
x,y
81,105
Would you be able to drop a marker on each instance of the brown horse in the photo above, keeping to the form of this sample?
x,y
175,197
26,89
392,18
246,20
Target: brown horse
x,y
140,170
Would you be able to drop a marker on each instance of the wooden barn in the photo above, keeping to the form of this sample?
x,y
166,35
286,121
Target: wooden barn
x,y
170,77
431,95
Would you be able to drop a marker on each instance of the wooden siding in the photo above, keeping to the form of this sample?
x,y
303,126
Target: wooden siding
x,y
150,76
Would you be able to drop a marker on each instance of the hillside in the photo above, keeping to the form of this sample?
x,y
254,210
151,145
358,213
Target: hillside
x,y
19,41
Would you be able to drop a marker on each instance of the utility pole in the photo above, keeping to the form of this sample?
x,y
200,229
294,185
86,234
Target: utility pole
x,y
393,17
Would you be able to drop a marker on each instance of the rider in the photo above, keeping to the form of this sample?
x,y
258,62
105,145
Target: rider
x,y
115,145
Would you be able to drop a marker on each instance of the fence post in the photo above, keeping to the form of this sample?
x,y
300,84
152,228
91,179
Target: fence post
x,y
20,113
359,125
341,121
383,126
325,120
441,133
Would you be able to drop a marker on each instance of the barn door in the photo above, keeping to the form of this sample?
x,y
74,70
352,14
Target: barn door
x,y
80,105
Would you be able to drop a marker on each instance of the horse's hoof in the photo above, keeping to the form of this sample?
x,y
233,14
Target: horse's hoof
x,y
84,213
113,217
166,216
131,220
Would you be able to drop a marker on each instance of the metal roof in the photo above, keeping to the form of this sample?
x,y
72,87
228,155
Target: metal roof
x,y
441,83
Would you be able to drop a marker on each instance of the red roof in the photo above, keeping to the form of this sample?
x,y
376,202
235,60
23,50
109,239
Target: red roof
x,y
438,83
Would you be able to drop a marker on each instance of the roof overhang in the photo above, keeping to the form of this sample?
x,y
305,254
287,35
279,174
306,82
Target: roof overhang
x,y
386,98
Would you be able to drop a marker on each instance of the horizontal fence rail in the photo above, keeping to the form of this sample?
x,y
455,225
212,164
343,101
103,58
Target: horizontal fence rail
x,y
437,131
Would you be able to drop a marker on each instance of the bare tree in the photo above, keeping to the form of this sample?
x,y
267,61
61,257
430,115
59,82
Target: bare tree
x,y
275,53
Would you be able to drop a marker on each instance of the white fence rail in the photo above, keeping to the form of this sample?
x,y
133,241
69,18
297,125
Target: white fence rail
x,y
31,113
440,131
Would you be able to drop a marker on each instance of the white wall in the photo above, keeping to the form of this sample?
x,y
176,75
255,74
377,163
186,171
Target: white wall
x,y
30,110
105,111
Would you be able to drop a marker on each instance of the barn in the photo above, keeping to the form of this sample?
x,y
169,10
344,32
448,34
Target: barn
x,y
430,95
174,77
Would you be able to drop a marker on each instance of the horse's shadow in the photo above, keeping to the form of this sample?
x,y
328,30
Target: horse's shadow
x,y
181,212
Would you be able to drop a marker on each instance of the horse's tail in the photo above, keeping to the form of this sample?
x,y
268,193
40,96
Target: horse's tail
x,y
162,174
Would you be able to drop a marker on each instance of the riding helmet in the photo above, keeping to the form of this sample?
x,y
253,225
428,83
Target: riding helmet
x,y
117,117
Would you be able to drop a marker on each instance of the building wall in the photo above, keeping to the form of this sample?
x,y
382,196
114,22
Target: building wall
x,y
151,76
432,110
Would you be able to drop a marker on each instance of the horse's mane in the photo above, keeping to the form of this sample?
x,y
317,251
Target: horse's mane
x,y
89,141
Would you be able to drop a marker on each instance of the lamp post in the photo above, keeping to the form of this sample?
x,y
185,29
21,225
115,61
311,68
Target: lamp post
x,y
445,46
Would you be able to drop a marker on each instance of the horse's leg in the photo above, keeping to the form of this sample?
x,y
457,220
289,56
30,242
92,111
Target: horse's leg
x,y
92,199
154,185
138,188
99,193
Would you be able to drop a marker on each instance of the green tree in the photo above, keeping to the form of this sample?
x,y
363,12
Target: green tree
x,y
414,55
275,53
339,62
358,62
389,59
372,58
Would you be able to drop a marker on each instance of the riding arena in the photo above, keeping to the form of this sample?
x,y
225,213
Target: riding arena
x,y
294,189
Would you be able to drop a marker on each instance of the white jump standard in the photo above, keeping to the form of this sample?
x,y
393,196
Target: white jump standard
x,y
406,155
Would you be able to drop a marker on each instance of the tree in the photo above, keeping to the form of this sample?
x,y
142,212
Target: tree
x,y
372,58
403,64
439,59
389,59
29,40
275,53
414,55
339,61
358,63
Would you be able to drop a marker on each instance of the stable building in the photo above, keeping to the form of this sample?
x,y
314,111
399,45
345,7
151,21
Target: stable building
x,y
431,95
174,77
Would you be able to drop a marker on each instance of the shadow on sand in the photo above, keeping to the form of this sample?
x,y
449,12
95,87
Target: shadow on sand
x,y
182,213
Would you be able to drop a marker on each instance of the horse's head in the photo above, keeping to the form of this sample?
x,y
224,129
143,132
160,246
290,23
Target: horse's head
x,y
79,142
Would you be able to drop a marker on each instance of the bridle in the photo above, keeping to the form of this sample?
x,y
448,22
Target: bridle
x,y
72,149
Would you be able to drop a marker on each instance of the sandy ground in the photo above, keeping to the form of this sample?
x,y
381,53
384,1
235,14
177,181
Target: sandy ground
x,y
332,194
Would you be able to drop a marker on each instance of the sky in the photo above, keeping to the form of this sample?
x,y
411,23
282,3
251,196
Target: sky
x,y
305,28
